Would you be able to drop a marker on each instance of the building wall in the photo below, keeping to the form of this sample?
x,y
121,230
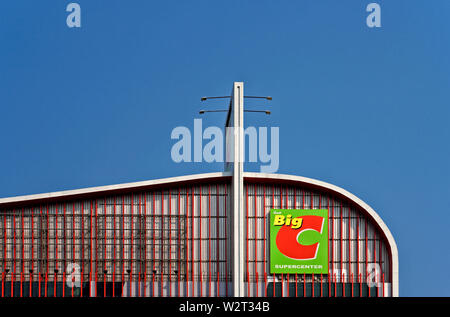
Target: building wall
x,y
357,250
144,237
176,241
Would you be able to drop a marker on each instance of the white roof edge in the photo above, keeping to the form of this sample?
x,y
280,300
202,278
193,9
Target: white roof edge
x,y
357,201
97,189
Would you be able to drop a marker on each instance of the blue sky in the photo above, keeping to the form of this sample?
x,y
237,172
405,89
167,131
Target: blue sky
x,y
365,109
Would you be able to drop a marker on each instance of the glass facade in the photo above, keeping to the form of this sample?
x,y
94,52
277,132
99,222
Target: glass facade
x,y
176,241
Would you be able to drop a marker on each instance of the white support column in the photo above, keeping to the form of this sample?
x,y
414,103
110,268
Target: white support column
x,y
237,123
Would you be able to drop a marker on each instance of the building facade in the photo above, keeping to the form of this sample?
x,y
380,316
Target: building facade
x,y
174,237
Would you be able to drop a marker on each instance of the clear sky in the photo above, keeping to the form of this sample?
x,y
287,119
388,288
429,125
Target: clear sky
x,y
366,109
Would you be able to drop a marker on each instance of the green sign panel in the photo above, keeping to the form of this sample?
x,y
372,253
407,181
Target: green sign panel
x,y
299,241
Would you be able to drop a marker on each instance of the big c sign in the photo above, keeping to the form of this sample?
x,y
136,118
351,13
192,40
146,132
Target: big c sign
x,y
299,241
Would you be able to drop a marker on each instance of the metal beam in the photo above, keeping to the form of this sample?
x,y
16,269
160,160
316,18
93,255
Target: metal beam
x,y
237,124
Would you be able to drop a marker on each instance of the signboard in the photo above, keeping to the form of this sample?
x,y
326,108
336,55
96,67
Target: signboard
x,y
299,241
